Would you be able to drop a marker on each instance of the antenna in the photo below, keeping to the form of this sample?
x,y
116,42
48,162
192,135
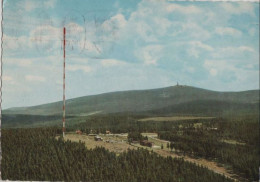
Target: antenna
x,y
64,53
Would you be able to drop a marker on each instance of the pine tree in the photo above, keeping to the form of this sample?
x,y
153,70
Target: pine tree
x,y
171,145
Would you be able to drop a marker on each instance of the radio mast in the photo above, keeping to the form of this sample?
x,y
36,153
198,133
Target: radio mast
x,y
64,52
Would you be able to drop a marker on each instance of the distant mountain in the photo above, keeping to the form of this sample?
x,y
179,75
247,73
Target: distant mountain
x,y
163,100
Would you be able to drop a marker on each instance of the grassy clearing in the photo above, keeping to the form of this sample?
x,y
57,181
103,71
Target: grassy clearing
x,y
233,142
174,118
118,144
154,135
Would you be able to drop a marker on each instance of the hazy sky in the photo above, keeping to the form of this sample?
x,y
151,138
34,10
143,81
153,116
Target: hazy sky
x,y
125,45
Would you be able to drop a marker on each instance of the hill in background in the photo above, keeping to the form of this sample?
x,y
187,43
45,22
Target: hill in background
x,y
169,98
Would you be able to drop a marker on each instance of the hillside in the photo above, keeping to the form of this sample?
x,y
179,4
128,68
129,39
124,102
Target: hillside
x,y
169,98
207,108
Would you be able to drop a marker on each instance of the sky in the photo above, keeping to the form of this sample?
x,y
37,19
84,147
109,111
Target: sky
x,y
116,45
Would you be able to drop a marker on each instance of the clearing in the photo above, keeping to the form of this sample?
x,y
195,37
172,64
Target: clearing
x,y
174,118
114,143
118,143
233,142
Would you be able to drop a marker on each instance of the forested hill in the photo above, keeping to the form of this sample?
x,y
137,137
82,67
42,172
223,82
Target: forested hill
x,y
142,101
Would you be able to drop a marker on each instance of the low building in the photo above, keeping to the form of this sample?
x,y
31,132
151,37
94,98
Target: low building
x,y
98,138
212,129
92,134
108,132
135,142
146,143
79,132
156,147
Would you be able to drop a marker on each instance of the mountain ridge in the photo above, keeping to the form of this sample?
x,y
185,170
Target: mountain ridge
x,y
136,100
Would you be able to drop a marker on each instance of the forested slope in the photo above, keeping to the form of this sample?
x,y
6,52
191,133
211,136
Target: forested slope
x,y
34,154
139,101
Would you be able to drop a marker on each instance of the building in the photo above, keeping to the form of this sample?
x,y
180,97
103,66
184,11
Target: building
x,y
79,132
108,132
98,138
135,142
91,134
156,147
146,143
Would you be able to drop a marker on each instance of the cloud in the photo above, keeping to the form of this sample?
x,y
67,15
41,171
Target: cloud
x,y
111,62
144,26
49,3
228,31
201,45
115,22
183,9
21,62
16,43
150,54
196,47
189,30
7,78
238,8
213,72
238,53
236,50
77,67
75,59
252,31
190,69
193,52
72,29
46,37
34,78
226,68
215,66
227,75
246,48
29,5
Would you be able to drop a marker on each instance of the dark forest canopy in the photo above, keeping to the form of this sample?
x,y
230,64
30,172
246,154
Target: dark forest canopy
x,y
34,154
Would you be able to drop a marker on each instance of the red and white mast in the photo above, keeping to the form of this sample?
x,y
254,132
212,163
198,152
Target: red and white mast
x,y
64,51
